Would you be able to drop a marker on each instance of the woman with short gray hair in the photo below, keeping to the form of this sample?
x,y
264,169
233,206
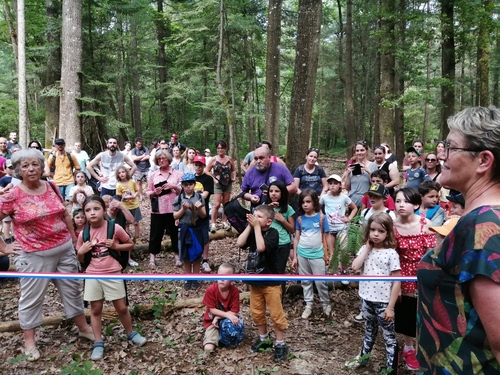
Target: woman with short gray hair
x,y
44,238
459,281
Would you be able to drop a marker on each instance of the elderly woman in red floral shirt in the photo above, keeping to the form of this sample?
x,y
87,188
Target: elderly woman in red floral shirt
x,y
44,243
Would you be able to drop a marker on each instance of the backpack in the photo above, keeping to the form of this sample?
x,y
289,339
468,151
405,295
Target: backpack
x,y
236,214
120,256
52,165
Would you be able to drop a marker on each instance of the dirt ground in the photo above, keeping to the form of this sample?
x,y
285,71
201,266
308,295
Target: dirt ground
x,y
318,345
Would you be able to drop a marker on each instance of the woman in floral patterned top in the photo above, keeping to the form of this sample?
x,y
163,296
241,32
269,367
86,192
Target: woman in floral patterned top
x,y
413,239
458,321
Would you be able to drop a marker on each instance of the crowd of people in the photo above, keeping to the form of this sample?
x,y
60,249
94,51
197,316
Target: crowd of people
x,y
437,219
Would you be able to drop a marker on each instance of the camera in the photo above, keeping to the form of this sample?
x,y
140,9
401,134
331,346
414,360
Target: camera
x,y
264,187
357,169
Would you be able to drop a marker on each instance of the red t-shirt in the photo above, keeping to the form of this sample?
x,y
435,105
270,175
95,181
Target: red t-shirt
x,y
214,300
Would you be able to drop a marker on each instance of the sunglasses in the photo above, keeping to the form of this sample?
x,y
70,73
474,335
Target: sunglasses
x,y
313,149
362,143
379,148
430,160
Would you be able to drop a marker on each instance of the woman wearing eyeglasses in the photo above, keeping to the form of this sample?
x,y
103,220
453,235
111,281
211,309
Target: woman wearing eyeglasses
x,y
310,175
459,281
432,166
357,180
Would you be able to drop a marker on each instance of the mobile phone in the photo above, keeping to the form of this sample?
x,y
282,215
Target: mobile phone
x,y
264,187
357,169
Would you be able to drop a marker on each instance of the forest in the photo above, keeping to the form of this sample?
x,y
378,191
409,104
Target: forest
x,y
297,72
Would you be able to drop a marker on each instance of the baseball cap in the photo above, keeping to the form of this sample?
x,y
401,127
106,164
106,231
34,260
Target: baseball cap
x,y
456,197
445,229
207,150
189,176
413,149
8,163
59,141
175,136
200,159
335,177
378,189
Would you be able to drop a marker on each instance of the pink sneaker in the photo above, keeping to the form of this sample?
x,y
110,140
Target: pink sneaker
x,y
411,361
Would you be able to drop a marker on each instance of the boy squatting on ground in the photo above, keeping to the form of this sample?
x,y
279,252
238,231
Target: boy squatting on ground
x,y
262,239
221,320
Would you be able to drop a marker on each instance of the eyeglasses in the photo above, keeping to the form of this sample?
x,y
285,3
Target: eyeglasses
x,y
313,149
447,149
379,148
430,160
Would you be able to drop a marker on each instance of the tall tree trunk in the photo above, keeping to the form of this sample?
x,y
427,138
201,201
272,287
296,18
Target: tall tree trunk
x,y
53,70
304,81
387,70
447,64
10,18
496,77
161,34
352,131
272,105
21,74
483,54
399,83
136,100
69,121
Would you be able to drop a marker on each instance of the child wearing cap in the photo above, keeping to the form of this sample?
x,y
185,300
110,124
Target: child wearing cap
x,y
377,196
189,208
204,186
378,176
415,174
335,204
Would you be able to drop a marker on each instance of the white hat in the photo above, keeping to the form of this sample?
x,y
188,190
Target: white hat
x,y
207,150
335,177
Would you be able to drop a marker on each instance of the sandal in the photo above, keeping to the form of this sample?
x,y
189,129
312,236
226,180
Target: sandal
x,y
33,353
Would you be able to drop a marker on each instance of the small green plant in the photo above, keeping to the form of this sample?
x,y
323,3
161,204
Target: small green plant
x,y
347,245
108,330
17,359
169,343
79,367
160,302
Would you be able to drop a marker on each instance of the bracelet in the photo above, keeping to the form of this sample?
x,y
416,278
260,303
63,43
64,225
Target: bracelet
x,y
390,308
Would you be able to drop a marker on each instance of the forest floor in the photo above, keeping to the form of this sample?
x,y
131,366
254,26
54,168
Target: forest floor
x,y
318,345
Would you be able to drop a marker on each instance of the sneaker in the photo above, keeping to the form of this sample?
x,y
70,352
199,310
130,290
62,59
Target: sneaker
x,y
137,339
195,284
226,226
187,285
307,313
280,353
205,267
132,263
411,361
359,318
98,352
33,353
213,228
86,335
327,310
259,345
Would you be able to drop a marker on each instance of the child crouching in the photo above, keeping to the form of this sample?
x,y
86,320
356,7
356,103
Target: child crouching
x,y
221,320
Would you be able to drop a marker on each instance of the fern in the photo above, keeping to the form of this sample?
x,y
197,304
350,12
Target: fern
x,y
347,245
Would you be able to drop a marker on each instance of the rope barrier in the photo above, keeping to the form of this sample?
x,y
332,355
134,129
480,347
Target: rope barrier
x,y
200,277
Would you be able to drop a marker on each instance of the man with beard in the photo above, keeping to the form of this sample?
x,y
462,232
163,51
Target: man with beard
x,y
257,179
109,161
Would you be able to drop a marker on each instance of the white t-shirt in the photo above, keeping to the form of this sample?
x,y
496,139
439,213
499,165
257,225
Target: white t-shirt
x,y
368,212
335,207
379,262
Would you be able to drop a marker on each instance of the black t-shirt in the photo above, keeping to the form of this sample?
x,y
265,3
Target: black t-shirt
x,y
207,183
270,259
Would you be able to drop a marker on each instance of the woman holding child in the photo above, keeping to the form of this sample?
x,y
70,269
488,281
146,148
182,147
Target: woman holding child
x,y
458,324
381,163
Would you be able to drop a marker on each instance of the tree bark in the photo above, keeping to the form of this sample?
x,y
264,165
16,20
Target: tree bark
x,y
304,81
136,100
447,64
69,121
161,34
483,54
21,74
272,104
352,134
53,71
387,70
